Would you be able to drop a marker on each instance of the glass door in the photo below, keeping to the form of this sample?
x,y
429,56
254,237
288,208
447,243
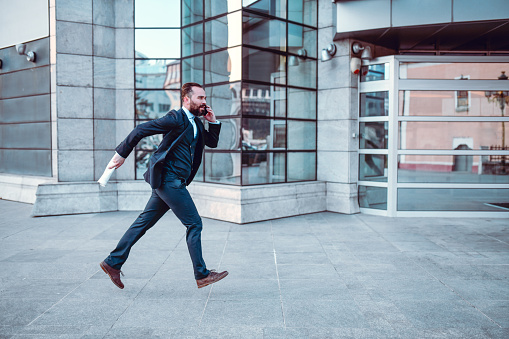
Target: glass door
x,y
433,137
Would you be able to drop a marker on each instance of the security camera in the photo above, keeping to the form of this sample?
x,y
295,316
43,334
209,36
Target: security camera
x,y
355,65
20,48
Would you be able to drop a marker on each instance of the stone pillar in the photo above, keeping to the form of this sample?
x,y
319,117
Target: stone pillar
x,y
337,117
92,63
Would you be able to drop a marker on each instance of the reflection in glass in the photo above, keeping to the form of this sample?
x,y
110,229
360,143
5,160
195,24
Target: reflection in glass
x,y
199,173
223,32
451,71
192,11
373,135
374,104
192,70
302,40
375,72
449,103
274,8
301,104
301,166
372,167
157,74
153,104
148,144
157,43
453,199
142,158
449,135
304,12
224,99
458,168
230,134
157,13
263,134
301,135
263,32
373,197
192,40
217,7
263,66
262,168
303,74
222,167
263,100
223,66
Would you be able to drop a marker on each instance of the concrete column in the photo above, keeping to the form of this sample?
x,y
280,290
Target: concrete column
x,y
337,117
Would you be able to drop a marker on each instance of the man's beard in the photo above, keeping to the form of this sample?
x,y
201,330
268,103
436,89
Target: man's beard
x,y
196,109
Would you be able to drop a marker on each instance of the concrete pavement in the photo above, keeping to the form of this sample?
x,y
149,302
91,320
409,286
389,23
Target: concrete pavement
x,y
322,275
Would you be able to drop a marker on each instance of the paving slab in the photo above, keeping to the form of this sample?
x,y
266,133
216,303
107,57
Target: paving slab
x,y
323,275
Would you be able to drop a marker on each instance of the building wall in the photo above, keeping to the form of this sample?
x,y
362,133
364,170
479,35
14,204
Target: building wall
x,y
93,85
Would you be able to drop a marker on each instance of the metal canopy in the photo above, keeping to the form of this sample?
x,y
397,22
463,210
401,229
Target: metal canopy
x,y
457,36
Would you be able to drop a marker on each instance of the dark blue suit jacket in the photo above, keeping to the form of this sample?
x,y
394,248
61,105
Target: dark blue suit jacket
x,y
172,125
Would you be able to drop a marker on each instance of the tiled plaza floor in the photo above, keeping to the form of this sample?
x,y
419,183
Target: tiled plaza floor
x,y
322,275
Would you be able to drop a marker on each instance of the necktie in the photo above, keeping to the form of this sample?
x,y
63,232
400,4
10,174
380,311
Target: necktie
x,y
193,122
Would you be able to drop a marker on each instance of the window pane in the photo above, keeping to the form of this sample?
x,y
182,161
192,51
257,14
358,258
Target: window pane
x,y
199,172
153,104
453,199
13,161
303,11
222,168
453,103
192,11
373,135
302,73
157,43
223,32
301,166
263,32
482,169
223,66
192,40
456,70
217,7
302,40
157,13
263,134
274,8
374,104
158,74
262,168
448,135
301,104
224,99
263,100
142,158
192,70
373,197
375,72
372,167
263,66
230,134
301,135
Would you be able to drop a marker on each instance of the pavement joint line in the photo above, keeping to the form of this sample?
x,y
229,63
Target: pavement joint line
x,y
277,276
212,286
59,301
139,292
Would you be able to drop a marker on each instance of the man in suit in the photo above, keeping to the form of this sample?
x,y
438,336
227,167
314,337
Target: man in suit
x,y
171,168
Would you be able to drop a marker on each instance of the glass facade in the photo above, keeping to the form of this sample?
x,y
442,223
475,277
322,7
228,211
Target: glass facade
x,y
437,141
250,56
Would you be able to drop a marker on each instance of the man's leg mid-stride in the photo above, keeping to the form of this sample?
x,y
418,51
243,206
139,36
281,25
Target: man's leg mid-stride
x,y
154,210
176,196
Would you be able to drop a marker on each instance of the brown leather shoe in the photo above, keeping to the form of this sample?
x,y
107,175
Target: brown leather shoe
x,y
113,273
211,278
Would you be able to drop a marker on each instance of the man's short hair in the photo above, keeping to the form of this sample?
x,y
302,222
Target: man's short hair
x,y
187,89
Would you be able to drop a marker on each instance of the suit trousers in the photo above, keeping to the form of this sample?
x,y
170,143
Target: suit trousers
x,y
172,194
